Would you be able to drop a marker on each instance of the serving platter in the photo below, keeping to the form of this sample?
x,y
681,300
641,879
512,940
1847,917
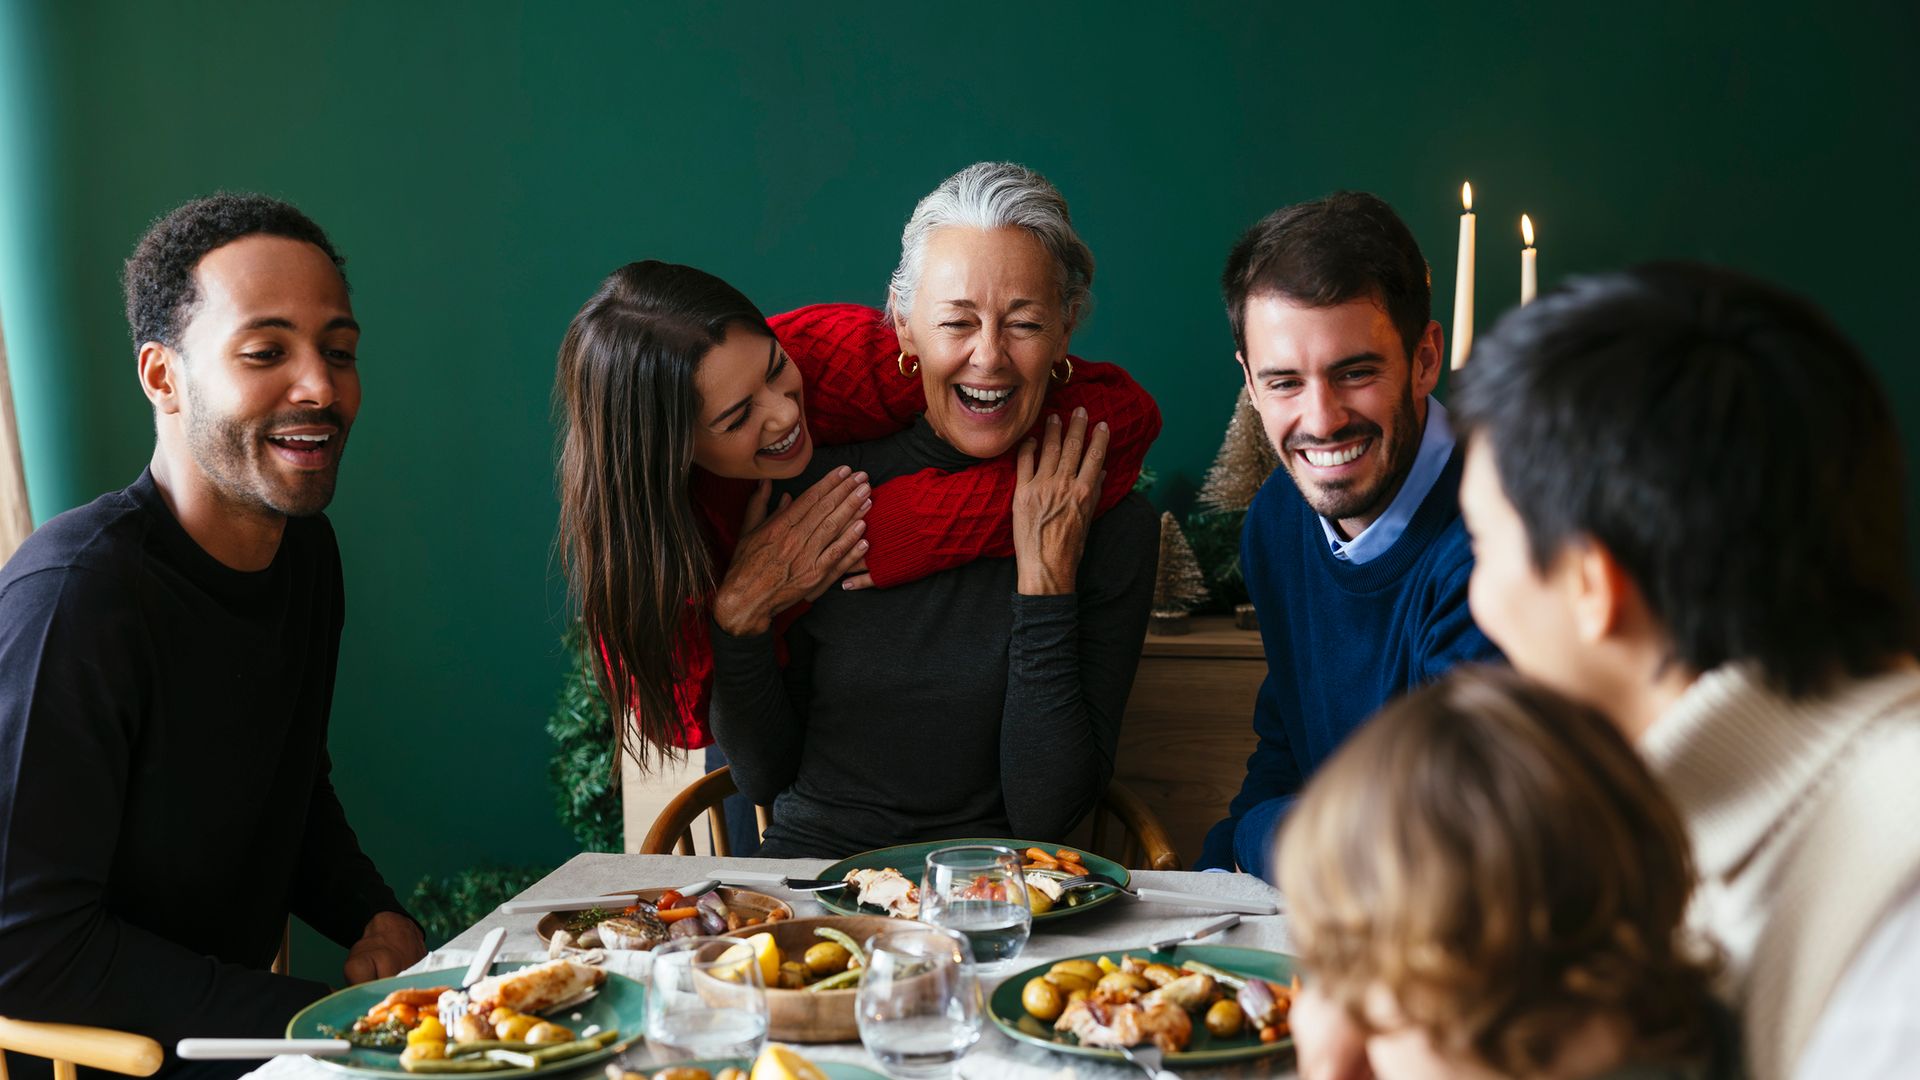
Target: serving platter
x,y
911,861
752,904
620,1005
1012,1018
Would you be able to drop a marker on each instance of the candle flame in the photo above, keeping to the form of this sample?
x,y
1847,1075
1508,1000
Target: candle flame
x,y
1526,229
1466,196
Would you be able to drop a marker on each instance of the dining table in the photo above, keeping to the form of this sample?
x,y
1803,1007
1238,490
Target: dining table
x,y
1118,925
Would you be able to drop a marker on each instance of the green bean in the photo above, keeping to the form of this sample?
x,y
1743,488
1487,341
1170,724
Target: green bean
x,y
451,1065
1224,977
514,1058
846,978
575,1048
846,942
462,1049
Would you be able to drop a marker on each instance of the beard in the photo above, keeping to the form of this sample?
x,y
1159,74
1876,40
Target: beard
x,y
1360,497
233,454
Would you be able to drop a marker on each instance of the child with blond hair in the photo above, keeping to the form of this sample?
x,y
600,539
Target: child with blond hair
x,y
1486,881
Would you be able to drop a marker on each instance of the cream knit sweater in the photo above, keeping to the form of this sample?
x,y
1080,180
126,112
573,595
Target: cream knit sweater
x,y
1805,821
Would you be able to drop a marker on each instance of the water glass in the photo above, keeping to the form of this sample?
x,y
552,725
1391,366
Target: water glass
x,y
706,1000
978,889
919,1004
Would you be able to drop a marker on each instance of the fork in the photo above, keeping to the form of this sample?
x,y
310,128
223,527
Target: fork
x,y
1168,896
1148,1057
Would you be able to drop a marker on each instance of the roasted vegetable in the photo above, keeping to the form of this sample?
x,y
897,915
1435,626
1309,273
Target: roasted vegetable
x,y
1122,983
827,958
856,956
1225,1019
1042,999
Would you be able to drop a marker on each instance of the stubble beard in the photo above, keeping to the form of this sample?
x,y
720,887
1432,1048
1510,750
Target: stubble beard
x,y
233,454
1343,501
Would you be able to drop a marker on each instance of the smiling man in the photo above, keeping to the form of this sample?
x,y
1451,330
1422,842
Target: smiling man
x,y
167,660
1353,552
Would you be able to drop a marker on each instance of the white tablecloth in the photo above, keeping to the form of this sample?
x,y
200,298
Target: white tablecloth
x,y
1121,924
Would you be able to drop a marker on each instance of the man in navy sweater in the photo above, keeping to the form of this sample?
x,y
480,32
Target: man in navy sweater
x,y
1355,557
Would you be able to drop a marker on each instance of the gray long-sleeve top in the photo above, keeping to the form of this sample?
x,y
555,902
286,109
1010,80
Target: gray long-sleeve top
x,y
946,707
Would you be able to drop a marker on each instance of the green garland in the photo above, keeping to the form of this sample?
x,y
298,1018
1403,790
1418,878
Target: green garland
x,y
586,795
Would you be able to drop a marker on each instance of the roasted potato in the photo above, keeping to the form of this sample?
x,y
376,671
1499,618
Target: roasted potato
x,y
547,1032
1042,1000
826,958
1122,983
1085,969
683,1072
1224,1019
514,1028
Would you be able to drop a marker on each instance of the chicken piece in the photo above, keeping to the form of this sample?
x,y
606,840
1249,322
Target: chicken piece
x,y
1187,991
534,989
1106,1023
638,932
887,889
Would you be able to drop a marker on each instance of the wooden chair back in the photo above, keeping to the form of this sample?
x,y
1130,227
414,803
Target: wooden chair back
x,y
1143,841
71,1045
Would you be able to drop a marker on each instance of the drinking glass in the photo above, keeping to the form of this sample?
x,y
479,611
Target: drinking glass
x,y
706,1000
919,1003
978,890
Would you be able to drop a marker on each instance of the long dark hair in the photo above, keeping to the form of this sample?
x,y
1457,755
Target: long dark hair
x,y
629,539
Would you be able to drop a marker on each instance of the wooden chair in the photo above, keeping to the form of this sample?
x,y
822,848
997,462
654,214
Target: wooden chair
x,y
1144,842
71,1045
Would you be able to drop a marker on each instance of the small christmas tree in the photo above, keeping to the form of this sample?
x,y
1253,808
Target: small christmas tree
x,y
1179,584
1244,461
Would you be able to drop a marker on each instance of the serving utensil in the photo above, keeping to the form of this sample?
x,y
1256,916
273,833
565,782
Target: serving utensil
x,y
1169,896
1148,1057
1225,922
588,903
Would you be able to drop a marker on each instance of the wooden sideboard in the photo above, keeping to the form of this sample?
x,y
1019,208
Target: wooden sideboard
x,y
1189,726
1183,746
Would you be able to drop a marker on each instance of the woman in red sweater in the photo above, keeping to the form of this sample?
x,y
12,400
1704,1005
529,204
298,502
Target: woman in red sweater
x,y
680,403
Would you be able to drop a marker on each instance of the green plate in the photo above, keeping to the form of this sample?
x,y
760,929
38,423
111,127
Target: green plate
x,y
911,861
1204,1049
835,1070
620,1004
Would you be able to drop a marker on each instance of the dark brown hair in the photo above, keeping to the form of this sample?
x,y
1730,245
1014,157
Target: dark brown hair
x,y
1727,444
1500,860
1344,247
631,544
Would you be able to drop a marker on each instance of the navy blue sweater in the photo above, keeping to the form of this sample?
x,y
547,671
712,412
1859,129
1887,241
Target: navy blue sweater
x,y
1341,640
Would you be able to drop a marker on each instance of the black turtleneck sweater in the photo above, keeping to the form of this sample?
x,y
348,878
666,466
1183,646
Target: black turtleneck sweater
x,y
164,791
950,706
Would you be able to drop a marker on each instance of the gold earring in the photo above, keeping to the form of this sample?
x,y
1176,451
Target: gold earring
x,y
1063,379
901,363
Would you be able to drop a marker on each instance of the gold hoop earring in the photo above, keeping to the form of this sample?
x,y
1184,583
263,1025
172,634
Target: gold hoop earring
x,y
1059,378
905,371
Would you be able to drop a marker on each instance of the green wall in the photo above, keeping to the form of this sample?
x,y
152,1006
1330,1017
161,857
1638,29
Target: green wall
x,y
483,164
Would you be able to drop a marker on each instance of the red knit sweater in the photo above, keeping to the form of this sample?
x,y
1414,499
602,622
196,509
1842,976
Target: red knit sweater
x,y
920,524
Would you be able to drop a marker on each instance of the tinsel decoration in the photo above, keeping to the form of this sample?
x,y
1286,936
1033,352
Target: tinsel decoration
x,y
1179,584
1243,462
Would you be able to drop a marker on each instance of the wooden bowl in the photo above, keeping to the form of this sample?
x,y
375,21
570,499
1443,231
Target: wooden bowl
x,y
750,904
826,1017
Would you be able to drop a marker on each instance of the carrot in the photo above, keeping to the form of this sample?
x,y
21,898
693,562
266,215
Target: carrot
x,y
676,914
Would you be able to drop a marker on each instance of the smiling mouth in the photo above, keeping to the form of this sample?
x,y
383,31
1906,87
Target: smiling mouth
x,y
983,401
1338,456
785,445
305,450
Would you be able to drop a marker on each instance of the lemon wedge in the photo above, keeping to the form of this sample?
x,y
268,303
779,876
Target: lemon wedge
x,y
760,947
784,1063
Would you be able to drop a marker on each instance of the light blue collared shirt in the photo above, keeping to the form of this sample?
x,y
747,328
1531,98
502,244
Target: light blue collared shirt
x,y
1436,446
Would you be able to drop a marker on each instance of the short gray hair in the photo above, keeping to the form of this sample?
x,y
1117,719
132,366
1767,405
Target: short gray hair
x,y
995,195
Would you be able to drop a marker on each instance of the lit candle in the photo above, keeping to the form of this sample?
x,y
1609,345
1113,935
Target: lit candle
x,y
1463,283
1529,263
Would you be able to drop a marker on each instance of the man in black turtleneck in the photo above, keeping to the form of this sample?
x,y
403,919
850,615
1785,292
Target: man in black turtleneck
x,y
167,659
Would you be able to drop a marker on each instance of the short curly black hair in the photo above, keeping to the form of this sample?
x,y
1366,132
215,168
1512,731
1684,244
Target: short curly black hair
x,y
159,274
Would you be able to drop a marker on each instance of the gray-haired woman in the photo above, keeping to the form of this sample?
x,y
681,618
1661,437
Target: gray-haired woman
x,y
985,699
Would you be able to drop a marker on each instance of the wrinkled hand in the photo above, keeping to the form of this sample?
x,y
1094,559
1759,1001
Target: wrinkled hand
x,y
1327,1044
1054,497
805,546
390,944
